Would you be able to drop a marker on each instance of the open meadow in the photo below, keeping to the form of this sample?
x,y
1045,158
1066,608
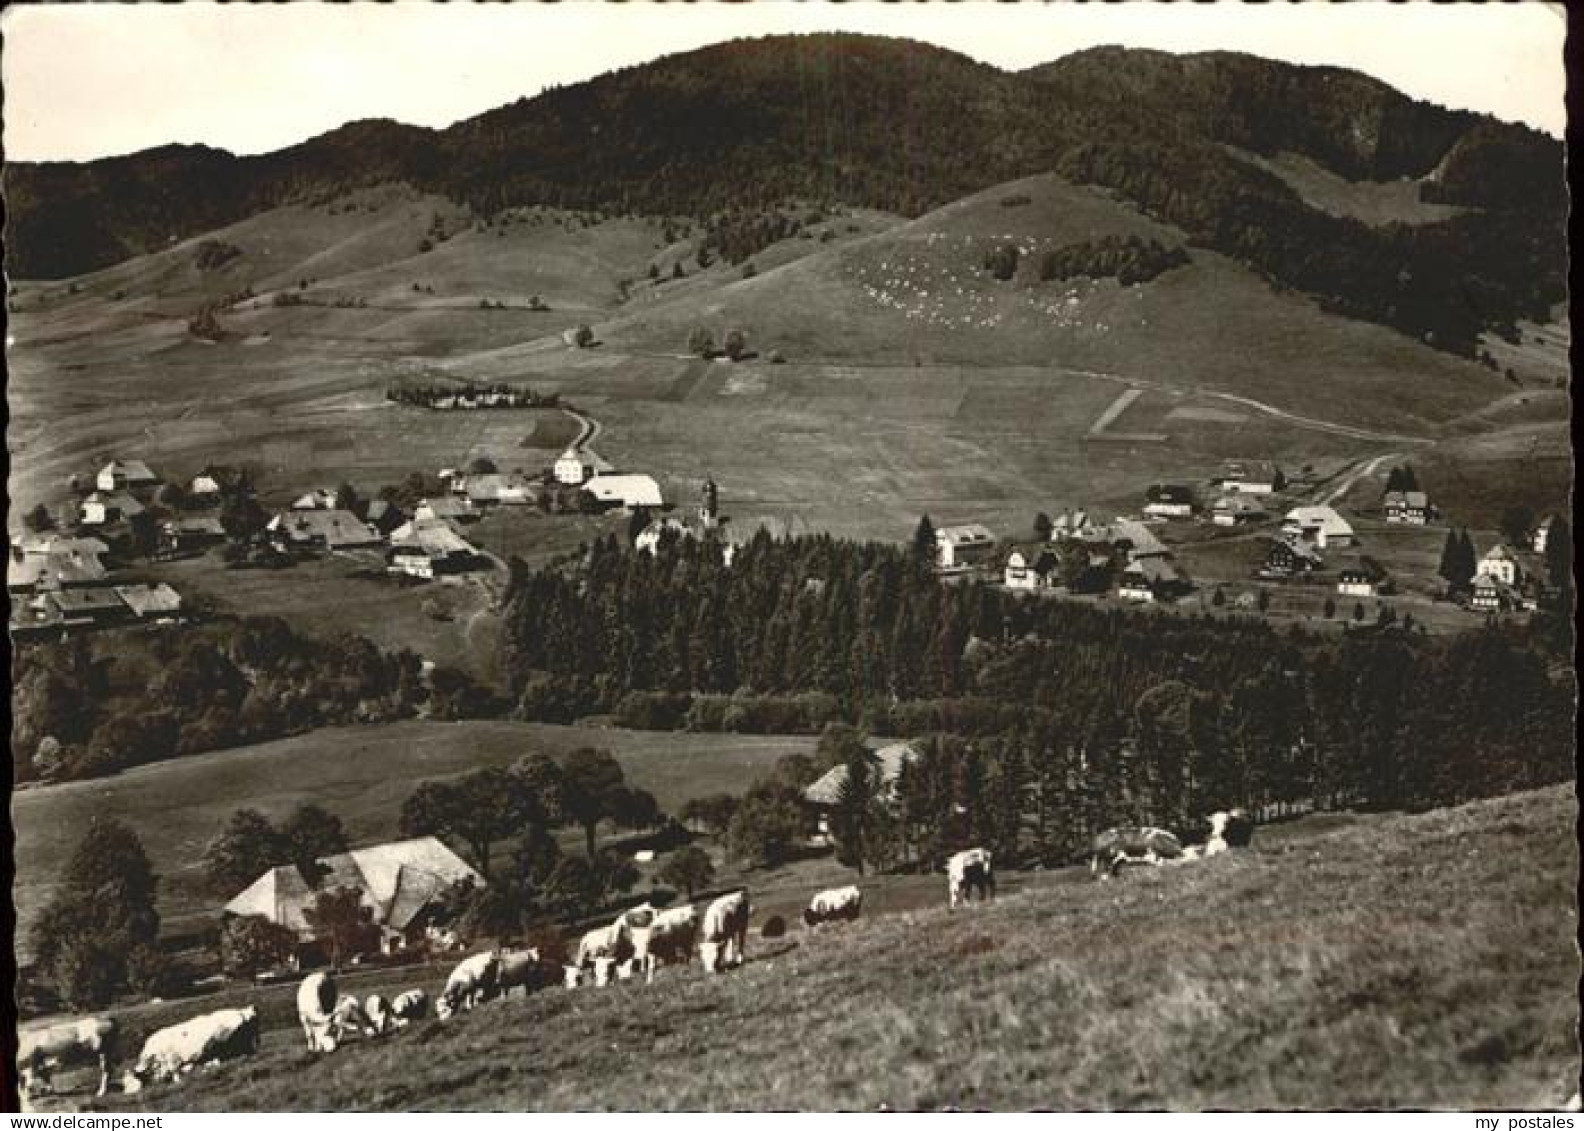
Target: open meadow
x,y
1322,967
360,774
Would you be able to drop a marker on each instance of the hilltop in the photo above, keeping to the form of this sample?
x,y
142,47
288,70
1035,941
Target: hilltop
x,y
898,126
1323,966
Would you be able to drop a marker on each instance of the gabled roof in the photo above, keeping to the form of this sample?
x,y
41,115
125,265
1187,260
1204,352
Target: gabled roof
x,y
442,506
130,471
631,490
319,499
888,760
58,568
1140,537
82,601
116,500
1169,493
1323,518
1155,571
435,537
1238,504
1413,499
150,600
396,881
336,528
1498,553
971,534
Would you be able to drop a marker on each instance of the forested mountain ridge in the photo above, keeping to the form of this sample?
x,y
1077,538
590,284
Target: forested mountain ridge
x,y
903,126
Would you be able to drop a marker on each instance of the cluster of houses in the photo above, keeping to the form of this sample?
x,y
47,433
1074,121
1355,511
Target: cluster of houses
x,y
61,581
65,579
1081,553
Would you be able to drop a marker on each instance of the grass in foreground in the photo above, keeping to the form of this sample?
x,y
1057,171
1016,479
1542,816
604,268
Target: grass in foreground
x,y
1424,961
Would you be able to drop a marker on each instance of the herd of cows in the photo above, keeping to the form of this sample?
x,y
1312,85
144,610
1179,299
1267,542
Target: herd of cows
x,y
638,942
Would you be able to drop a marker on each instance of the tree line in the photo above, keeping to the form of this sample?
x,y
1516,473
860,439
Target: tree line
x,y
1380,717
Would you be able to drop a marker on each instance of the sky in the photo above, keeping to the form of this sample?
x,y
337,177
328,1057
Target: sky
x,y
92,80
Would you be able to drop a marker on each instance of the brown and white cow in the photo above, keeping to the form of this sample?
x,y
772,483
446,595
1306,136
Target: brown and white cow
x,y
316,1004
723,937
834,905
968,872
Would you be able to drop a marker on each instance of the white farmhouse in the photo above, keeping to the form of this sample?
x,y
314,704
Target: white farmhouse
x,y
1320,524
1501,565
570,468
962,547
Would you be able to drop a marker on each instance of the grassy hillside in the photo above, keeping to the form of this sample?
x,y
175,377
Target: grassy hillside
x,y
362,775
1423,961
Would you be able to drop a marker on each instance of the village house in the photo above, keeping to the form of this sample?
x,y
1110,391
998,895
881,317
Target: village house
x,y
1291,556
105,508
122,475
629,491
319,499
1136,539
494,488
1542,535
1249,477
1501,564
446,509
1321,524
157,603
427,548
88,607
321,530
1491,594
571,469
190,532
1408,507
401,883
1355,581
824,794
1237,510
962,547
204,489
649,538
1169,500
43,563
1150,579
1030,568
1070,524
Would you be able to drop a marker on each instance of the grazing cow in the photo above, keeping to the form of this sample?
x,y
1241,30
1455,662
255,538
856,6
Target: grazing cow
x,y
349,1016
833,905
724,935
613,941
174,1051
523,969
1115,848
968,872
410,1006
41,1051
381,1019
670,937
476,979
316,1004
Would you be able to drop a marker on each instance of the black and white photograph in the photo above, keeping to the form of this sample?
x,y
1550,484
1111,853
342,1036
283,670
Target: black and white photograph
x,y
790,556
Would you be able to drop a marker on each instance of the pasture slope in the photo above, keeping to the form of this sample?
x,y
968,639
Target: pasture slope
x,y
1323,967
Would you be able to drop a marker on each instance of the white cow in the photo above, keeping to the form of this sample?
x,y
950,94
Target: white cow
x,y
1115,848
316,1004
41,1051
967,872
834,905
172,1052
410,1006
476,979
668,938
725,932
612,941
522,969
